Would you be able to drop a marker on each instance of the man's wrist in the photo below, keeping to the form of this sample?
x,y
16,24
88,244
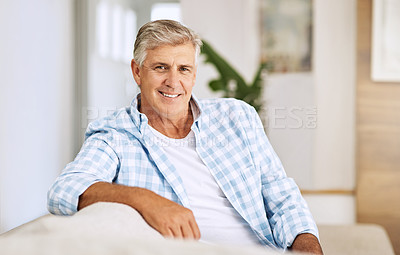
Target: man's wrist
x,y
307,243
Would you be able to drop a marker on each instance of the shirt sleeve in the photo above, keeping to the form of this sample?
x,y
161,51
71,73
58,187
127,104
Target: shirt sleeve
x,y
96,162
287,211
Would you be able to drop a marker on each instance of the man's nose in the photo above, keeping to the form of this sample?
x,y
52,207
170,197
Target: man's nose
x,y
172,78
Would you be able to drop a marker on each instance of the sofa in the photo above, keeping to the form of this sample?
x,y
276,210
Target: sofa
x,y
111,228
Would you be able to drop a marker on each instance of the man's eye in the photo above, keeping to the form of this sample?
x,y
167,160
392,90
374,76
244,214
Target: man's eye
x,y
185,69
160,68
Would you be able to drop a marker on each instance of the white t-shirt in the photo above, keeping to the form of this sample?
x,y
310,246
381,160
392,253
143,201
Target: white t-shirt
x,y
218,221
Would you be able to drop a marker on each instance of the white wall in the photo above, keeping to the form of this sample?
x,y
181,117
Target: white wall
x,y
292,120
328,209
335,83
36,93
320,157
110,84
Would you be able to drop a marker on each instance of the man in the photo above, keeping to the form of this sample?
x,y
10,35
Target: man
x,y
192,168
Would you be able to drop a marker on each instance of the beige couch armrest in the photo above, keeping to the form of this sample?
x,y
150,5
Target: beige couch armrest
x,y
366,239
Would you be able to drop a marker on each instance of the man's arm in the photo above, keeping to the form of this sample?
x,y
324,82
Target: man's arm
x,y
307,243
88,178
165,216
287,212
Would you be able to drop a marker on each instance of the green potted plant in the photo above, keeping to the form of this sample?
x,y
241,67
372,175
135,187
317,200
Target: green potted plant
x,y
231,82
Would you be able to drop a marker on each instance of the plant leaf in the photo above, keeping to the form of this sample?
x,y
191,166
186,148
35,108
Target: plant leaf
x,y
250,93
216,85
226,71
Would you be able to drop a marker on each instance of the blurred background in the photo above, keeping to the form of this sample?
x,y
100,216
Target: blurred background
x,y
331,101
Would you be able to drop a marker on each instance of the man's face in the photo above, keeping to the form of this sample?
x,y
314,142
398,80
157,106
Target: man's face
x,y
166,79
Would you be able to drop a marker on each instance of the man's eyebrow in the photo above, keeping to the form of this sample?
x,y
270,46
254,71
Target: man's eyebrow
x,y
165,64
186,65
159,64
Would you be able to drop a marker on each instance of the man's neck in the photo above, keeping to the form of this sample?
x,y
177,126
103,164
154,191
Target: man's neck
x,y
176,129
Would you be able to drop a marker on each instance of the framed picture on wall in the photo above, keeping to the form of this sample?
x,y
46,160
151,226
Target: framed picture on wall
x,y
286,35
385,57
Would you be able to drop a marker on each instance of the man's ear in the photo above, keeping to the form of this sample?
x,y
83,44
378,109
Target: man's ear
x,y
136,72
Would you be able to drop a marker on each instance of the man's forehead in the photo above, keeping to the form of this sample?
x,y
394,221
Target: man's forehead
x,y
166,44
162,47
183,52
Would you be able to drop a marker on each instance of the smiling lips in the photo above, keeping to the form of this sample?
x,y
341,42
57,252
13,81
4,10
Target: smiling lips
x,y
169,95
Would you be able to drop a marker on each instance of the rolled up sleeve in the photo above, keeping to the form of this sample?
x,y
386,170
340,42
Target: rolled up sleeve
x,y
96,162
287,211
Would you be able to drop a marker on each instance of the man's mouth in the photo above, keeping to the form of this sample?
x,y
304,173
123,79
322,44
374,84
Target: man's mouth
x,y
169,95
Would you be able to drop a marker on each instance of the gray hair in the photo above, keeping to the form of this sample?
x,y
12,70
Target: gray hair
x,y
163,32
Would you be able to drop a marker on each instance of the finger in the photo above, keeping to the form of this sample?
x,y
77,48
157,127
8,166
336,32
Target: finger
x,y
167,233
176,231
195,229
187,231
170,233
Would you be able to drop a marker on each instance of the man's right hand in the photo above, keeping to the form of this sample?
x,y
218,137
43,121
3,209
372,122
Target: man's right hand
x,y
169,218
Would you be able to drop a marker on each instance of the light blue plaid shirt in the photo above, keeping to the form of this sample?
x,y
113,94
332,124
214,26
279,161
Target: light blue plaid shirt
x,y
230,140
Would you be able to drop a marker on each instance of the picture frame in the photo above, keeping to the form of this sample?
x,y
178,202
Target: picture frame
x,y
385,55
287,35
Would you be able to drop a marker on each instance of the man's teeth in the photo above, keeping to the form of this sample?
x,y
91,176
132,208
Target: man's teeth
x,y
168,95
